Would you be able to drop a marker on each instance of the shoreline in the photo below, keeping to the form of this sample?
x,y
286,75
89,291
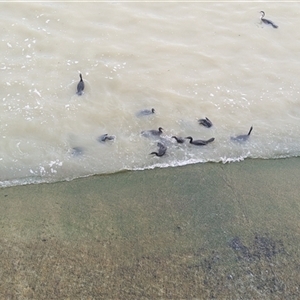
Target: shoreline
x,y
196,231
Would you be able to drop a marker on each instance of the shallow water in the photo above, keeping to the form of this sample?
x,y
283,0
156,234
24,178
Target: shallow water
x,y
185,60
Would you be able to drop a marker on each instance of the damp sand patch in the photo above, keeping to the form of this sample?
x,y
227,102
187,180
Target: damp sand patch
x,y
201,231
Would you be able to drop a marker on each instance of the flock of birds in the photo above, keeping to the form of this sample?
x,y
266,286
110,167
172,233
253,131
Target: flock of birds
x,y
161,151
180,140
156,133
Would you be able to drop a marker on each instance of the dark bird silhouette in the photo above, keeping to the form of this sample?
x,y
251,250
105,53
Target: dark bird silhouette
x,y
178,139
105,137
161,150
146,112
77,151
200,142
80,86
205,122
266,21
152,132
242,137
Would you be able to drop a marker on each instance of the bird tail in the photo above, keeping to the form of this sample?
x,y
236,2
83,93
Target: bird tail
x,y
210,140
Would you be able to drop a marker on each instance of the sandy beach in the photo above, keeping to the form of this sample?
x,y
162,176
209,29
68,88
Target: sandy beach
x,y
204,231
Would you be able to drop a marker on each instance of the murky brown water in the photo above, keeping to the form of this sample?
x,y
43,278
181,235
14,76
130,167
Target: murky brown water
x,y
186,60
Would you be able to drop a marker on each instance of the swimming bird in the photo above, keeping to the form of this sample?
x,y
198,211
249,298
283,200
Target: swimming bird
x,y
266,21
161,150
200,142
105,137
80,86
178,139
205,122
77,151
146,112
242,137
152,132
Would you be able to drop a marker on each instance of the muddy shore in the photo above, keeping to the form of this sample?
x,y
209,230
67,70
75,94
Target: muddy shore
x,y
204,231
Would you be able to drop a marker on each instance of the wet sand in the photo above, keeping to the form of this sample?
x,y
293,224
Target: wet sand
x,y
205,231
